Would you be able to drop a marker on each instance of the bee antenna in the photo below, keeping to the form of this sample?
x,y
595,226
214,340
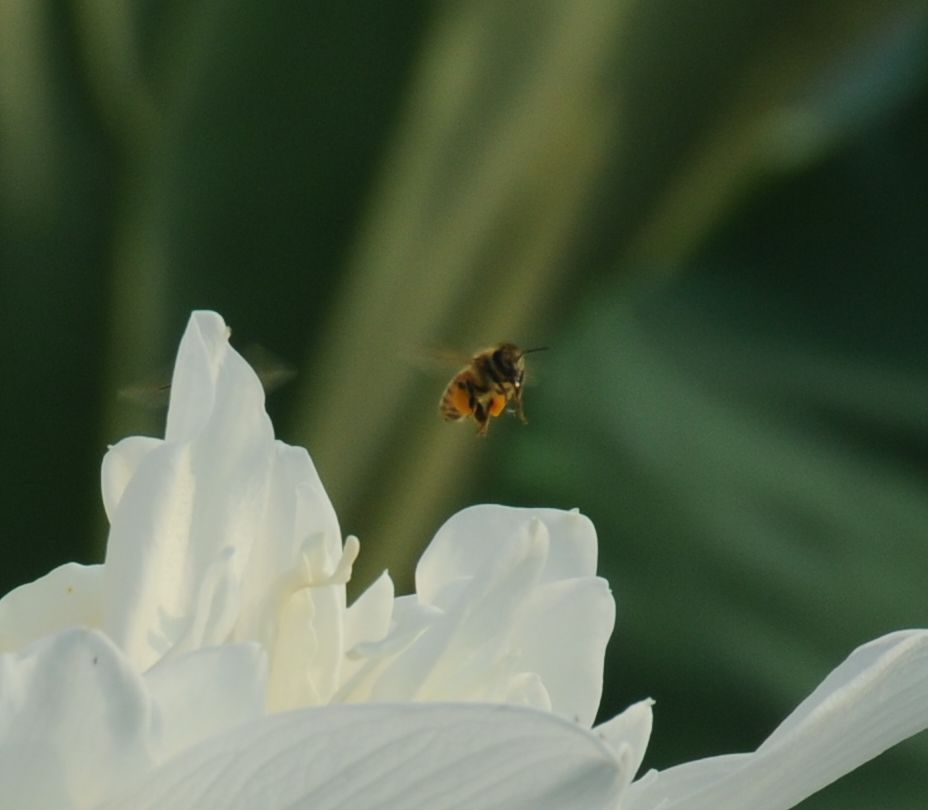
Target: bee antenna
x,y
536,349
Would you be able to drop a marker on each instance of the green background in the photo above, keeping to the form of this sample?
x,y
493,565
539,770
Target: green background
x,y
714,213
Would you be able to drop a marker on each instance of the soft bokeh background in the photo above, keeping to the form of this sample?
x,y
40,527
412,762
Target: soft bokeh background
x,y
715,213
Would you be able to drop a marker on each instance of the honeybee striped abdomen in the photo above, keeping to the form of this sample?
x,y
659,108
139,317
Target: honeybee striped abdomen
x,y
459,399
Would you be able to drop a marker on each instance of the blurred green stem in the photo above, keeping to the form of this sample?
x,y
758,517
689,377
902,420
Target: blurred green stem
x,y
464,246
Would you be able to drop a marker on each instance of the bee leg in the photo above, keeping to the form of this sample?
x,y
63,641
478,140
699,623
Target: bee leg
x,y
519,411
482,417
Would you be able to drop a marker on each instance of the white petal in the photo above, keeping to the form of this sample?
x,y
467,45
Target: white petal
x,y
119,465
177,530
292,654
365,662
528,689
891,658
203,360
329,608
315,515
75,722
366,622
206,533
466,652
187,505
297,518
67,596
874,700
657,790
471,537
629,731
418,757
205,693
214,610
368,618
562,636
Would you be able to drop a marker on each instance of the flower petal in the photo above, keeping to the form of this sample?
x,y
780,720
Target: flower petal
x,y
562,635
659,790
428,756
471,537
297,518
119,465
466,651
874,700
206,692
176,531
67,596
368,618
629,732
204,373
75,722
516,621
215,528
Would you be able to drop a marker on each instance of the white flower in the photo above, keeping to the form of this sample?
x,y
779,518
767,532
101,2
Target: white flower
x,y
220,534
225,556
161,678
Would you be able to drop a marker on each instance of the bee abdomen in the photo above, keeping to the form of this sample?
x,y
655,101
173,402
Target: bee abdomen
x,y
457,401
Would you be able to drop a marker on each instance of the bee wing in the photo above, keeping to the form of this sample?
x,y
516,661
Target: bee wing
x,y
436,362
154,391
272,370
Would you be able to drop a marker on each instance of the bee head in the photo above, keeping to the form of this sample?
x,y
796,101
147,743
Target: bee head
x,y
508,359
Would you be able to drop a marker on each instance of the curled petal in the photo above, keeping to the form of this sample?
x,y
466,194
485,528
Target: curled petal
x,y
516,597
465,543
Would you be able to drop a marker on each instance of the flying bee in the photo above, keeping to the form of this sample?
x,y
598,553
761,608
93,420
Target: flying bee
x,y
486,385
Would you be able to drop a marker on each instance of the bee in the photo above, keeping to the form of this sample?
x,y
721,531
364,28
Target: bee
x,y
486,385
